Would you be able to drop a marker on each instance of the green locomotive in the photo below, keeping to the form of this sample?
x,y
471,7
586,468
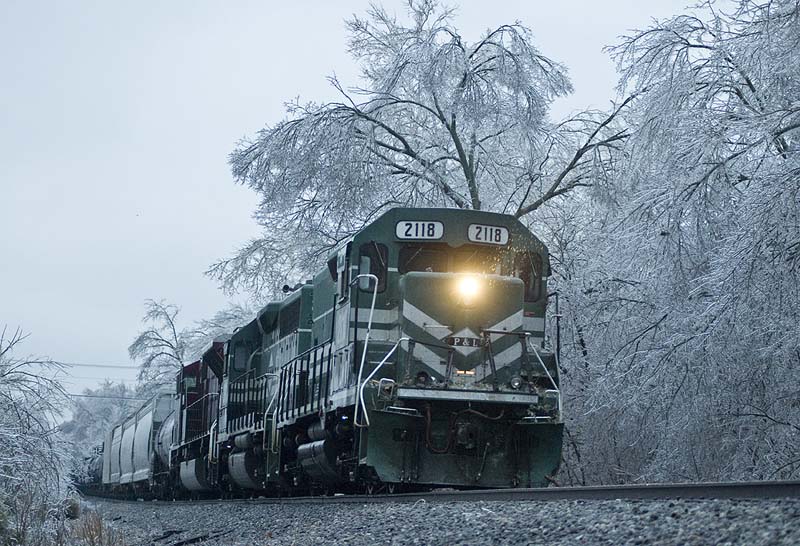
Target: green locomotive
x,y
414,359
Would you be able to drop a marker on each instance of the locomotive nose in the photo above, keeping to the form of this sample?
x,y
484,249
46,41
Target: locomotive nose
x,y
452,312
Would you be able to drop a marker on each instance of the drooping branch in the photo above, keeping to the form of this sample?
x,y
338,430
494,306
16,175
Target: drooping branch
x,y
573,167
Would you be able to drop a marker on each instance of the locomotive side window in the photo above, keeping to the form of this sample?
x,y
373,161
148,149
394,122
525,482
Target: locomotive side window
x,y
528,267
343,271
422,258
239,358
378,256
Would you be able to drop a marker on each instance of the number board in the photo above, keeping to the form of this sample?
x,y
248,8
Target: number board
x,y
490,235
414,229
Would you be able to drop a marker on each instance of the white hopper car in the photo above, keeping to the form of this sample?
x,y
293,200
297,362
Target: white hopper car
x,y
135,454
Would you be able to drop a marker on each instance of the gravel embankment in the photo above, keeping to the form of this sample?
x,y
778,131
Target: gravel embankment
x,y
748,522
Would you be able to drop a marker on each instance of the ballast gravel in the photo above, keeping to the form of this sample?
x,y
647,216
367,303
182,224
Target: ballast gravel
x,y
748,522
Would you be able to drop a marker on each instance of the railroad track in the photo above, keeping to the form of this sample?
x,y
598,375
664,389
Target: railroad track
x,y
730,490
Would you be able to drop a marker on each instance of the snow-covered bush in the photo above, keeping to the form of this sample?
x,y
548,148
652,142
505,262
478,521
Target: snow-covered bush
x,y
33,458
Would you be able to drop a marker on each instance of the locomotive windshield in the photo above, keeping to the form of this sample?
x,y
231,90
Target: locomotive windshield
x,y
423,258
479,260
435,258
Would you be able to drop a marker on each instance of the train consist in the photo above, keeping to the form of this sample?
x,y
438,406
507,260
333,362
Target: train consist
x,y
415,359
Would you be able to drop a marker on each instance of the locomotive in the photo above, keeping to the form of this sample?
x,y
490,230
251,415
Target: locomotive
x,y
415,359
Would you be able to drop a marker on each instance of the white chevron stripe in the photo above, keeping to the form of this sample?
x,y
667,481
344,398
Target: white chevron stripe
x,y
376,334
508,356
379,316
428,356
533,324
422,320
510,323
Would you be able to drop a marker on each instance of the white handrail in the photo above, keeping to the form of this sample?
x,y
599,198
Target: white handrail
x,y
369,327
369,377
273,426
212,443
550,377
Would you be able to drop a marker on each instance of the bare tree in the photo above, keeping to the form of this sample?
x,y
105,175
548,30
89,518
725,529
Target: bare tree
x,y
33,459
435,121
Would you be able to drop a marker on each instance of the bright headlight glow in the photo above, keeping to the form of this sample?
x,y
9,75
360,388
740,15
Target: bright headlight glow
x,y
468,287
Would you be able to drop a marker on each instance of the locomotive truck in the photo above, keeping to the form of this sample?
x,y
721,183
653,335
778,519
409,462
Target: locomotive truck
x,y
416,358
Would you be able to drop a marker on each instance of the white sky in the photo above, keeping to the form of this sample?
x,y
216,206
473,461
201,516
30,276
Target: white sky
x,y
116,120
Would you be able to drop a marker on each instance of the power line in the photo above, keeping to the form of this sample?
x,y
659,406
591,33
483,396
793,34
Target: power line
x,y
113,379
110,397
83,365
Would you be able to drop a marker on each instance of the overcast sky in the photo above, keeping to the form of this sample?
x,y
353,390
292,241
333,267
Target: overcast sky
x,y
116,120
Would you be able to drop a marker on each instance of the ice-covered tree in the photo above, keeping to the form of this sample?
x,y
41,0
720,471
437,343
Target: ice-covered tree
x,y
219,326
435,120
685,299
163,347
96,412
33,458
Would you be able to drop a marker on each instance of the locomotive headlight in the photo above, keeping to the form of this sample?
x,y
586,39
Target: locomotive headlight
x,y
516,382
468,288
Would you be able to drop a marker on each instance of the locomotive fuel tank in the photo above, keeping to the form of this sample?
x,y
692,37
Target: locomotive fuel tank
x,y
193,475
318,460
246,469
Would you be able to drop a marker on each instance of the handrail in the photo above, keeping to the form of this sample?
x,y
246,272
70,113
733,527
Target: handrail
x,y
550,377
274,394
361,386
252,355
305,353
367,380
202,398
212,442
273,426
273,447
369,328
239,377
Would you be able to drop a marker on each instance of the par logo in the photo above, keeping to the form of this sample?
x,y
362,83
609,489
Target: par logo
x,y
465,341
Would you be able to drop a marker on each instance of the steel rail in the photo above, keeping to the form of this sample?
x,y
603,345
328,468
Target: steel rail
x,y
657,491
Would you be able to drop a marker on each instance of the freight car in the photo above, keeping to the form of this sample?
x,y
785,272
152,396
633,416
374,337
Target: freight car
x,y
416,358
